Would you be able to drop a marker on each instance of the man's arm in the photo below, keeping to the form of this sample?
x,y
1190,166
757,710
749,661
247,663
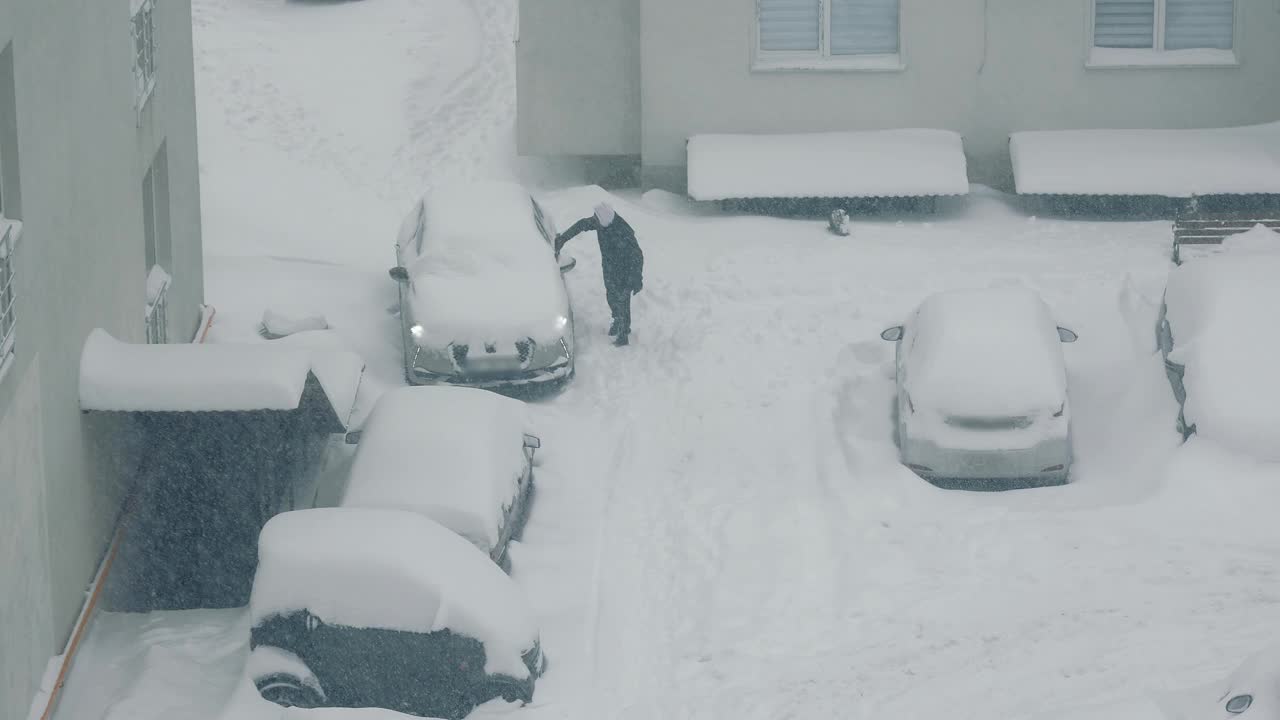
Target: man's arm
x,y
583,225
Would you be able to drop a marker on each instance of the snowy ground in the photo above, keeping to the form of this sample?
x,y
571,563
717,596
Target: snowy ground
x,y
722,529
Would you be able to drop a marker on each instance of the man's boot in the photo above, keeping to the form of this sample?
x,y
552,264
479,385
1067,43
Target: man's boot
x,y
615,327
621,339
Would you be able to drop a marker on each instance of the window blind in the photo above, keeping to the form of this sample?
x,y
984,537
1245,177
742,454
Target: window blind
x,y
1124,23
1199,24
864,27
790,25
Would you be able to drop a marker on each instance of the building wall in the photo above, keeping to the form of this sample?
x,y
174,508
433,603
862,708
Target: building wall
x,y
82,150
983,68
578,77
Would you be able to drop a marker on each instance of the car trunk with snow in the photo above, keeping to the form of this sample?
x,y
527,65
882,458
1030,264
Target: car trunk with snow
x,y
460,456
983,388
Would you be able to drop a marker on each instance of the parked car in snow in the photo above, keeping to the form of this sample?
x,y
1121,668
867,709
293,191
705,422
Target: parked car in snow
x,y
385,608
1214,332
482,297
982,390
460,456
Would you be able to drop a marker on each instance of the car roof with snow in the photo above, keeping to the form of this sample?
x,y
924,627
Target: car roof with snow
x,y
494,216
393,570
1221,312
988,351
454,454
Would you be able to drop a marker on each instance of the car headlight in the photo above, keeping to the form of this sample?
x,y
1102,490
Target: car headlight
x,y
416,331
562,322
548,354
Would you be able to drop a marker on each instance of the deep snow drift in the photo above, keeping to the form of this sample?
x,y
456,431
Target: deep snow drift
x,y
722,529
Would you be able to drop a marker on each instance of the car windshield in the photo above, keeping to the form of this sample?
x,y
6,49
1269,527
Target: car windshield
x,y
887,359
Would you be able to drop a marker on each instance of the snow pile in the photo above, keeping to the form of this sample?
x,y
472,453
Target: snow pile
x,y
878,163
1220,311
391,570
118,376
986,353
1259,238
453,454
1171,163
484,273
276,326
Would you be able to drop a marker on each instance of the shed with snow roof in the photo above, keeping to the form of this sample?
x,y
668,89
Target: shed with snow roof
x,y
226,436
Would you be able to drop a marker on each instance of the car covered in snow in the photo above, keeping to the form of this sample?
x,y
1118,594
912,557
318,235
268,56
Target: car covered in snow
x,y
460,456
482,296
354,607
1215,333
982,390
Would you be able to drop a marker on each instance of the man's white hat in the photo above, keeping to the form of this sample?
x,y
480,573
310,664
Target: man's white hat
x,y
604,214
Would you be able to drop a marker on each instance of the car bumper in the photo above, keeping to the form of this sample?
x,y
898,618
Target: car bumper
x,y
522,378
1046,463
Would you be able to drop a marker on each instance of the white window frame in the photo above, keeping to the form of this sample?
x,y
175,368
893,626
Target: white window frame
x,y
1100,58
821,59
143,19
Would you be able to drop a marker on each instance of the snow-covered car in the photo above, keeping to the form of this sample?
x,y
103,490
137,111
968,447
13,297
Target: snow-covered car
x,y
461,456
1251,692
385,608
1215,334
482,295
982,390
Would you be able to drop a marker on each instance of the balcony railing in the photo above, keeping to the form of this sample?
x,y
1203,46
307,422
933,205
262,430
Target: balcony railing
x,y
157,306
8,293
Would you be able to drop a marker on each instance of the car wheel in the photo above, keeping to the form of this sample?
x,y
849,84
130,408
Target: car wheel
x,y
287,690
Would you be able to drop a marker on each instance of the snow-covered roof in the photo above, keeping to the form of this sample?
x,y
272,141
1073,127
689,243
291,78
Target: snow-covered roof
x,y
1170,163
394,570
1221,312
126,377
875,163
453,454
986,352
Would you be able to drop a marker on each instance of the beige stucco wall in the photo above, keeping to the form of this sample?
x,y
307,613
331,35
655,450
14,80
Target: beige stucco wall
x,y
578,77
981,67
82,153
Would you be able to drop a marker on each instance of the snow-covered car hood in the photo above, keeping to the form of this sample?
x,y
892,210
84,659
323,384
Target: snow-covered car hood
x,y
1221,313
476,298
986,353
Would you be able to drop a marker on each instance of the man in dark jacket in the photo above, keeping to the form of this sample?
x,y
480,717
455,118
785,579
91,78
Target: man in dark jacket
x,y
621,260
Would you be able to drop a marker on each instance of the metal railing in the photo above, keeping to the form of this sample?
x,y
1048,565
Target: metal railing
x,y
157,317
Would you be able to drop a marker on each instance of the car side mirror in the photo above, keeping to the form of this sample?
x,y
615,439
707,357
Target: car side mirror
x,y
399,274
532,442
353,437
1067,336
893,334
568,263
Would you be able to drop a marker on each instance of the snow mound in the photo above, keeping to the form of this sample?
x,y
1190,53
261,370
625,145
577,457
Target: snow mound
x,y
1220,310
392,570
1171,163
123,377
1259,238
987,353
453,454
878,163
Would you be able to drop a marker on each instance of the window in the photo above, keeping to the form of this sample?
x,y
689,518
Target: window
x,y
144,50
1166,32
8,293
159,247
820,34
